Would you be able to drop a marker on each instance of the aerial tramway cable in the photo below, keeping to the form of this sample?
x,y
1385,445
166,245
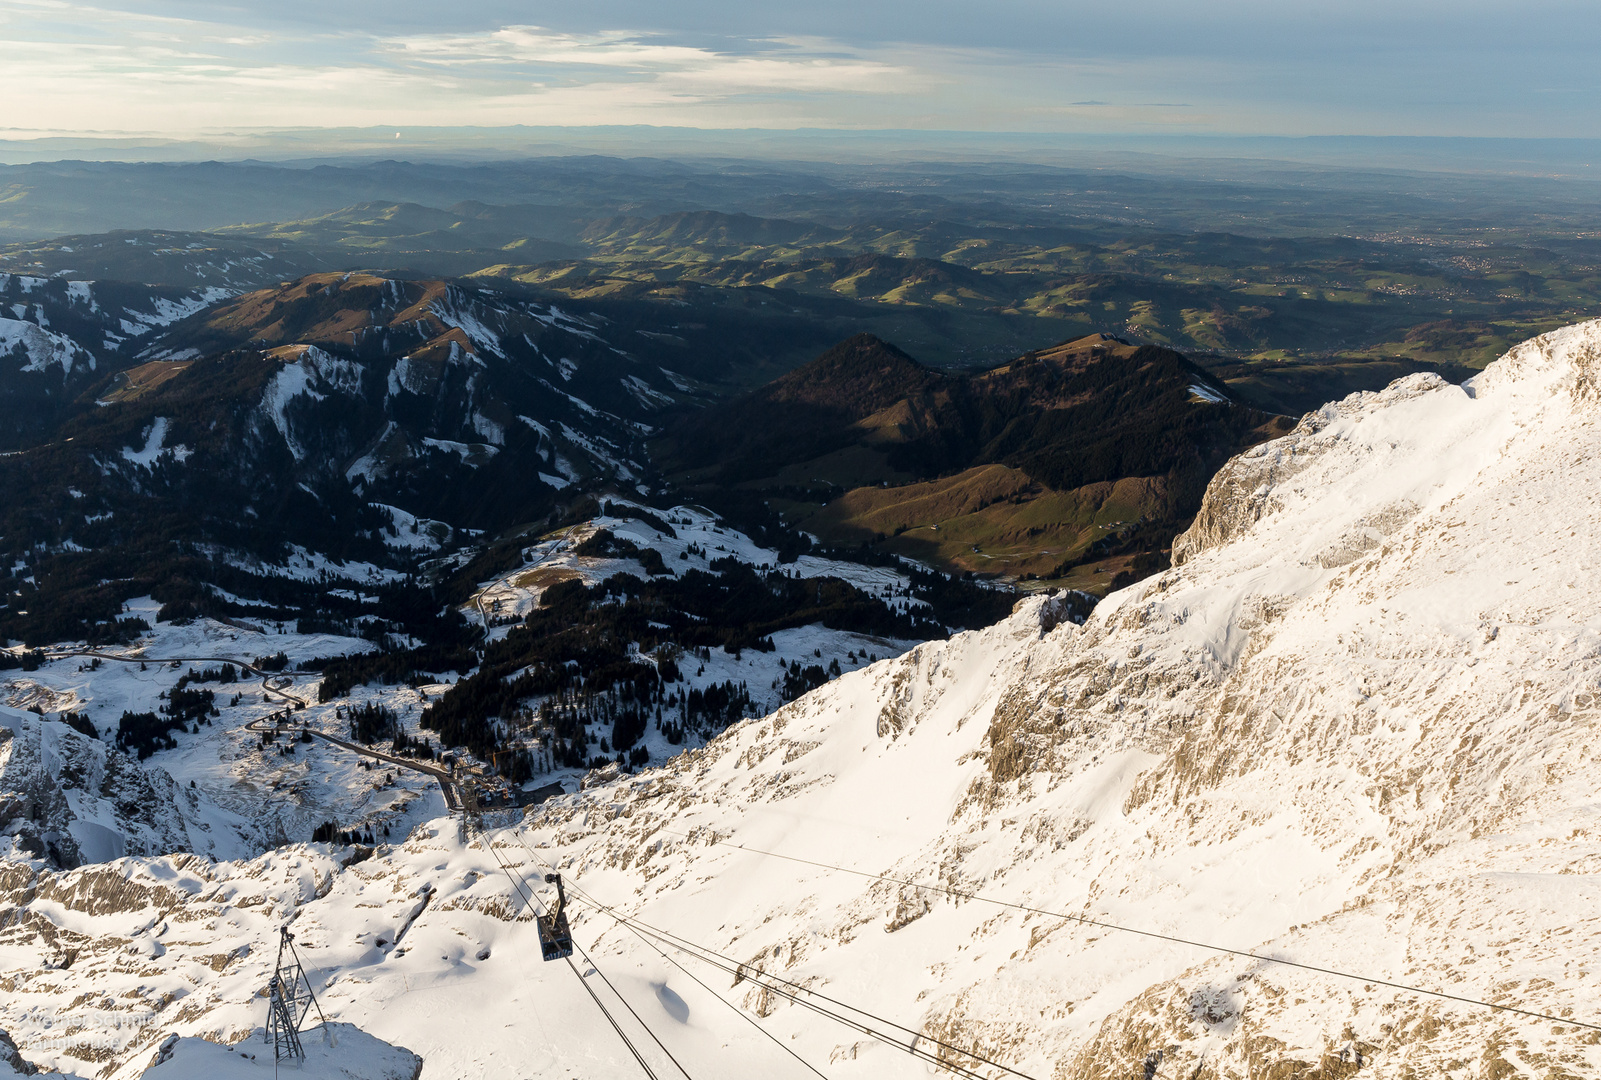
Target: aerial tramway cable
x,y
742,970
631,1011
756,975
1087,921
643,1064
621,921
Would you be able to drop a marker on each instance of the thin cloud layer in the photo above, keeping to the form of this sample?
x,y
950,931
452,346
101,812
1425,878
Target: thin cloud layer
x,y
809,67
182,68
166,75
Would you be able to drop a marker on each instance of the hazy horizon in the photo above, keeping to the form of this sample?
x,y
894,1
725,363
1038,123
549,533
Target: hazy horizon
x,y
1222,156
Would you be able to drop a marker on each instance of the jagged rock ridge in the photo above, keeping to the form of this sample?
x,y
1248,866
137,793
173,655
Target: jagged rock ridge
x,y
68,799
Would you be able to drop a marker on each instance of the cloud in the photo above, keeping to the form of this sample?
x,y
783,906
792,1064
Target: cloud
x,y
187,67
164,75
756,65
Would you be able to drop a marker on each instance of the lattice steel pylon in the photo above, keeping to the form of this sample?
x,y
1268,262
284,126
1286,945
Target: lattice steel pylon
x,y
289,1000
472,809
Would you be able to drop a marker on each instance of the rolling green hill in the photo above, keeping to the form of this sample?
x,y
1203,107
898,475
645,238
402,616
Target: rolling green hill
x,y
458,240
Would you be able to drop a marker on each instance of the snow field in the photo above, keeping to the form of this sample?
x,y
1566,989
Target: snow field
x,y
250,799
304,565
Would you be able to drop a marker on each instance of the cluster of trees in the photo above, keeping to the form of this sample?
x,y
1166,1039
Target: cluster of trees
x,y
144,733
409,747
392,667
330,833
576,722
372,723
585,649
223,673
803,680
68,599
188,706
566,717
26,659
80,723
715,707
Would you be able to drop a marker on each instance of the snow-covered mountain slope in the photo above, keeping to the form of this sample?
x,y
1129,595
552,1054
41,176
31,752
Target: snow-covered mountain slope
x,y
72,799
461,369
219,789
1352,728
291,410
351,417
698,540
57,337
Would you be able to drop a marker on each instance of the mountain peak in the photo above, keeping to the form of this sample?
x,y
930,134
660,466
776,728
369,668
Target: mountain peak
x,y
860,375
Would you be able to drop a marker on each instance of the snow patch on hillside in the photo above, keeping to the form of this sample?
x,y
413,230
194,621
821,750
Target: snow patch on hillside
x,y
42,349
82,292
304,565
312,374
413,533
693,528
155,447
454,312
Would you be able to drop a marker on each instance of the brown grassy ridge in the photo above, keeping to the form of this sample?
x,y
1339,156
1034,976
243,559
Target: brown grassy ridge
x,y
1018,526
136,382
1091,452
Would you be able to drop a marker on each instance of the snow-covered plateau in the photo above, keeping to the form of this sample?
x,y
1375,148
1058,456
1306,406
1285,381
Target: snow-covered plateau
x,y
1352,728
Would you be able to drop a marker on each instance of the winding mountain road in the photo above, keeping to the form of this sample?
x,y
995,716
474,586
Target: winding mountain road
x,y
478,598
447,783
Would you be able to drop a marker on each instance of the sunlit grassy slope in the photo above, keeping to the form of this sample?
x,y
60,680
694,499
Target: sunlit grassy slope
x,y
1066,463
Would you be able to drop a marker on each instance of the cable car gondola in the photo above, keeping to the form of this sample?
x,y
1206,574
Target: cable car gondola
x,y
555,938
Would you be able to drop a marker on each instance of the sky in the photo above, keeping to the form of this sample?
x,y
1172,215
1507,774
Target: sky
x,y
182,68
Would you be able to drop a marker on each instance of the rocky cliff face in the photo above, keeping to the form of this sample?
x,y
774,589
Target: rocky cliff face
x,y
1354,728
68,799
